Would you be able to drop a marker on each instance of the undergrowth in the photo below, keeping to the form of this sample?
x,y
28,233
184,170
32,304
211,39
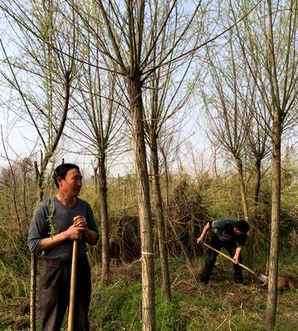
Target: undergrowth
x,y
118,307
222,305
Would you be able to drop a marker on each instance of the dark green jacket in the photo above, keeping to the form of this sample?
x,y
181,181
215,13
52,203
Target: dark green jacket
x,y
223,229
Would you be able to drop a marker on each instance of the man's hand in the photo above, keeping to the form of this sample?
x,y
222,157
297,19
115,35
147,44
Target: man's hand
x,y
77,229
204,233
74,232
235,260
236,257
80,221
200,240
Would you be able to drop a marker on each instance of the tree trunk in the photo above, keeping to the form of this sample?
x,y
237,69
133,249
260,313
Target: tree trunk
x,y
167,182
138,140
275,216
163,252
39,176
258,183
33,270
95,172
105,231
242,189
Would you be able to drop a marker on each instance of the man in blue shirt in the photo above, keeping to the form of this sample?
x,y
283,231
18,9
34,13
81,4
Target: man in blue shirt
x,y
228,234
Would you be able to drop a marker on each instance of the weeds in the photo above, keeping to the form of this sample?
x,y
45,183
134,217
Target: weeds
x,y
221,306
118,307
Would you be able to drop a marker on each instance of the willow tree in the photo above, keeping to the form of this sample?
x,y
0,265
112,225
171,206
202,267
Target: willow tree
x,y
97,126
228,114
258,141
165,99
126,39
269,45
44,37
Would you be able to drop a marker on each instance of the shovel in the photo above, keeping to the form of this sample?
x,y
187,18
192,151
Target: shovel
x,y
73,280
259,277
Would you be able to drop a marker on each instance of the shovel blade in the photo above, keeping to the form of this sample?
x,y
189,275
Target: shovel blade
x,y
263,278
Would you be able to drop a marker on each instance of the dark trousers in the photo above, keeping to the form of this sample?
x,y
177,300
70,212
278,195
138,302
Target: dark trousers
x,y
54,294
230,246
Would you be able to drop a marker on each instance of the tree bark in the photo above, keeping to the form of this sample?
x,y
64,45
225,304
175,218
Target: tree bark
x,y
163,252
138,140
275,217
39,177
33,270
105,231
257,183
242,189
167,180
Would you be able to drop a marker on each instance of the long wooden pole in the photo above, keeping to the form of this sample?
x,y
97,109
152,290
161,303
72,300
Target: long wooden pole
x,y
73,281
229,258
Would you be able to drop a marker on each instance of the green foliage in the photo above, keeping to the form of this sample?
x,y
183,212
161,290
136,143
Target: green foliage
x,y
223,196
115,307
192,201
11,283
118,307
14,292
167,314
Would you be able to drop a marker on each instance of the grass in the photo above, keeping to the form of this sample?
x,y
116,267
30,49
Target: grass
x,y
118,307
222,305
14,293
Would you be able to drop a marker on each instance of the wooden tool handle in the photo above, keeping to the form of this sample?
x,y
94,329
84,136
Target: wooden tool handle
x,y
73,281
229,258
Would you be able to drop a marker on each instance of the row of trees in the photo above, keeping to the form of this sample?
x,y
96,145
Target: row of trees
x,y
255,97
96,70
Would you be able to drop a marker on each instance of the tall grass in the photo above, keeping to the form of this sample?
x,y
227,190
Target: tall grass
x,y
118,307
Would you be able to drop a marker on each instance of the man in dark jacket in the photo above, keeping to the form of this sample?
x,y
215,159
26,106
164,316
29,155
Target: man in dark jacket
x,y
57,222
228,234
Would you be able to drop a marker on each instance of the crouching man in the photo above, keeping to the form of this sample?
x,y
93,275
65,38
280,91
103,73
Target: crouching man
x,y
57,222
228,234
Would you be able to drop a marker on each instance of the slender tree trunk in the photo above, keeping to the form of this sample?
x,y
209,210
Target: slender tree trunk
x,y
39,177
33,270
105,231
95,172
275,217
253,242
163,252
136,108
242,189
167,179
258,183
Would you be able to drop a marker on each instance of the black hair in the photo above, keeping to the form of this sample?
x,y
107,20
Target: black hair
x,y
61,171
242,226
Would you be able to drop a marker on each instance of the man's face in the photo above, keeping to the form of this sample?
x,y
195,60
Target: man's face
x,y
72,183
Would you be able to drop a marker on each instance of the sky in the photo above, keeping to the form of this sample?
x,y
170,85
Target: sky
x,y
19,139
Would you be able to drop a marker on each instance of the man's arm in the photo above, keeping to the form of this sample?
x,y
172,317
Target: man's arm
x,y
204,233
90,236
236,257
74,232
